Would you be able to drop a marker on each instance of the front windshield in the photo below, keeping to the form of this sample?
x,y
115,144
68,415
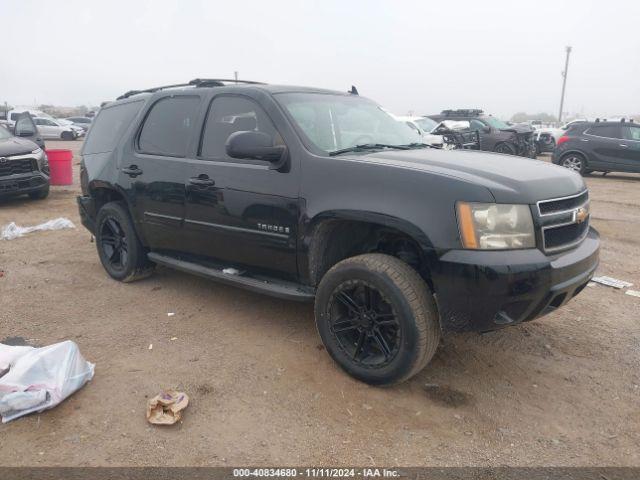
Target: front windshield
x,y
334,122
495,123
426,124
4,133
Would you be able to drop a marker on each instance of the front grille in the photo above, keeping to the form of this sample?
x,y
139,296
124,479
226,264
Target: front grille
x,y
547,207
559,237
13,167
564,221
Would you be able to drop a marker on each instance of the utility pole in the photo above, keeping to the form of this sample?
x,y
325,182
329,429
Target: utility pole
x,y
235,75
564,83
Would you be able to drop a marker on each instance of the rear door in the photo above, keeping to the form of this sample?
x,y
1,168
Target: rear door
x,y
25,127
240,211
604,143
631,146
155,169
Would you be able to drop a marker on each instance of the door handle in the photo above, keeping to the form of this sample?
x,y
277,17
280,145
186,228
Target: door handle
x,y
202,180
624,145
584,139
132,170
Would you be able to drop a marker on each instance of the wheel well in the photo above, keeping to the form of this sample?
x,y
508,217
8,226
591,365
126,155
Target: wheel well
x,y
102,195
577,154
335,240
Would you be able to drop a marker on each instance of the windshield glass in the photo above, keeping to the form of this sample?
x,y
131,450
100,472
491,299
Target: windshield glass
x,y
335,122
426,124
495,123
4,133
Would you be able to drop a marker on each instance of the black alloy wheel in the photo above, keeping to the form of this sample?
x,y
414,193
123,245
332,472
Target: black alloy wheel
x,y
364,324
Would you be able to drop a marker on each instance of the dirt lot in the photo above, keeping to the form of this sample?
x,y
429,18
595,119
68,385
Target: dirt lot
x,y
563,390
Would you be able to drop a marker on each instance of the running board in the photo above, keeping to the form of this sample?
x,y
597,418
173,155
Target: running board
x,y
268,286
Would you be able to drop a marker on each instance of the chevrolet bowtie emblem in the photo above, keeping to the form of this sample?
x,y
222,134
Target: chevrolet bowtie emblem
x,y
3,160
581,215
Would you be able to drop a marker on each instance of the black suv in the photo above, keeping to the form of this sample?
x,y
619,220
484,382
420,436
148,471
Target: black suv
x,y
310,194
600,146
24,168
495,135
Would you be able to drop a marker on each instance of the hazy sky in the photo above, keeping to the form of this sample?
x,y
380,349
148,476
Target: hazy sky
x,y
502,56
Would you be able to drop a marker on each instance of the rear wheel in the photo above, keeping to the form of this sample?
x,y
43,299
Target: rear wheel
x,y
67,136
377,318
121,253
574,162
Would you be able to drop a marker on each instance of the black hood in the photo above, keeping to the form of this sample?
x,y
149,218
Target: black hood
x,y
16,146
509,178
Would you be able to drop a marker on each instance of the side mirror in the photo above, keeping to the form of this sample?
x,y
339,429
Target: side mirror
x,y
257,146
486,129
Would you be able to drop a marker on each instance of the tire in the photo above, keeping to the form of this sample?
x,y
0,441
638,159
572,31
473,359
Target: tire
x,y
40,194
119,248
575,162
67,136
504,148
384,337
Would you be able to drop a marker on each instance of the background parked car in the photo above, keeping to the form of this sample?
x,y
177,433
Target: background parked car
x,y
495,135
64,122
50,129
546,137
600,146
82,122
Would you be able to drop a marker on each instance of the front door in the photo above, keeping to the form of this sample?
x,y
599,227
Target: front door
x,y
155,170
240,211
25,127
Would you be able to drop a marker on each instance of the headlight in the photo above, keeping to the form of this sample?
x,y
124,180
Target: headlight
x,y
37,151
495,226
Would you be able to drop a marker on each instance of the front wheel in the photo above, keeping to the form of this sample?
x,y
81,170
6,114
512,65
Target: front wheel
x,y
574,162
377,318
40,194
121,253
505,148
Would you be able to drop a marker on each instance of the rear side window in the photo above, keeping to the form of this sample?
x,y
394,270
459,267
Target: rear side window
x,y
109,126
608,131
168,126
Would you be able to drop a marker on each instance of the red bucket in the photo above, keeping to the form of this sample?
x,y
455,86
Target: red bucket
x,y
61,166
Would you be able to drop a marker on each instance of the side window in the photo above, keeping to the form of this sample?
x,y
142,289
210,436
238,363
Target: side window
x,y
632,132
168,125
230,114
39,121
476,124
109,126
608,131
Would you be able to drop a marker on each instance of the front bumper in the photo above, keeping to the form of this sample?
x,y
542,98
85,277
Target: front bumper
x,y
484,290
87,210
22,184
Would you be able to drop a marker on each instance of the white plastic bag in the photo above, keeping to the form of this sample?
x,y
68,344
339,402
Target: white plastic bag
x,y
40,378
11,231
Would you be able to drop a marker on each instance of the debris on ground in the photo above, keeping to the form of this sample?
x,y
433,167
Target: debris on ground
x,y
36,379
170,314
232,271
166,407
12,231
611,282
633,293
151,346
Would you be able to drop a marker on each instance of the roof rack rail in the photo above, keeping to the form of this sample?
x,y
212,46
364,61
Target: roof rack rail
x,y
197,82
467,112
220,82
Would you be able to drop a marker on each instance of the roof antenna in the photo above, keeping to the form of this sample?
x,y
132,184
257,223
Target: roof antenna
x,y
353,91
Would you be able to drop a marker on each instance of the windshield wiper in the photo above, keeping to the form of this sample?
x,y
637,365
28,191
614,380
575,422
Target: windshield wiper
x,y
419,145
368,146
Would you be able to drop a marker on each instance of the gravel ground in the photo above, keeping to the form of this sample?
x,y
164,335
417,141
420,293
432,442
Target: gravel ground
x,y
563,390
